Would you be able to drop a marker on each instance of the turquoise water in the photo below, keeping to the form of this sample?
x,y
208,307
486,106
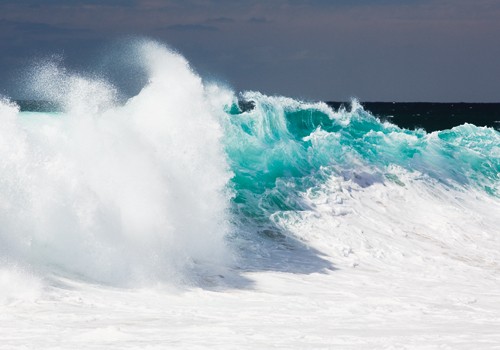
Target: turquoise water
x,y
283,147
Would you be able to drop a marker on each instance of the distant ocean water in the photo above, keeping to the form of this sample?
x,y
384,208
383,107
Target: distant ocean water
x,y
433,116
430,116
172,182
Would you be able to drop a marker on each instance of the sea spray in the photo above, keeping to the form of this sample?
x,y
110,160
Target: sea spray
x,y
158,186
116,193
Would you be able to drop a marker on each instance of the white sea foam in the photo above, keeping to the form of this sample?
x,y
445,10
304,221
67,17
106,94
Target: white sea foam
x,y
18,285
115,193
400,223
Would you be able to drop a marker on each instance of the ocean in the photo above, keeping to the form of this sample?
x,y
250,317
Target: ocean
x,y
190,215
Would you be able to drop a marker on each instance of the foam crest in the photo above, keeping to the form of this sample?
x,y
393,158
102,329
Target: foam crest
x,y
116,193
76,93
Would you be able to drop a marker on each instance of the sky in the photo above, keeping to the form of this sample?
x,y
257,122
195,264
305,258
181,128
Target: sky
x,y
378,50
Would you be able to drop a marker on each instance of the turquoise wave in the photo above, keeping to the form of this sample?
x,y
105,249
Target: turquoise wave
x,y
282,147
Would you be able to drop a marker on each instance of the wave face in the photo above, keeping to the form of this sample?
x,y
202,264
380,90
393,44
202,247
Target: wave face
x,y
284,148
162,184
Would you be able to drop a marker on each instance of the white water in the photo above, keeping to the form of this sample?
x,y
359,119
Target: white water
x,y
112,235
402,270
110,193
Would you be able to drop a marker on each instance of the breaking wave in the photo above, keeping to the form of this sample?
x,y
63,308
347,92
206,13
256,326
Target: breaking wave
x,y
170,183
115,192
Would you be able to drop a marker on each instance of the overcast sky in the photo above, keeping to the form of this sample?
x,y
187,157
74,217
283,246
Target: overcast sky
x,y
378,50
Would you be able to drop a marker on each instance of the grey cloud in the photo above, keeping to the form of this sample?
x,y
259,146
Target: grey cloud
x,y
71,3
37,28
258,20
192,27
220,20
